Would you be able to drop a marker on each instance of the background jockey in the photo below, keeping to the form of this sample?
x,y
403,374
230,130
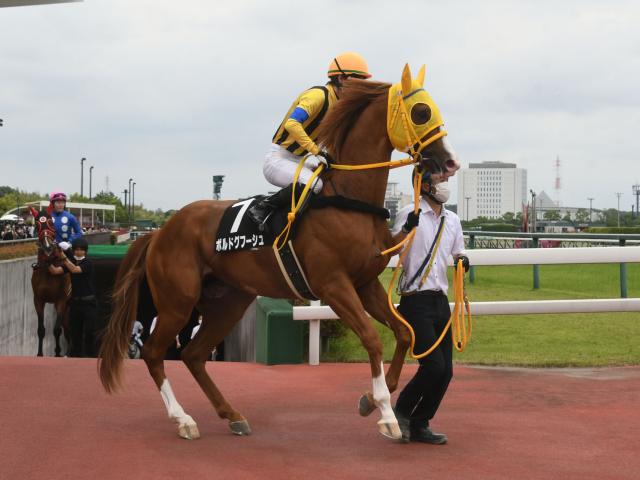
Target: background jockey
x,y
67,227
296,134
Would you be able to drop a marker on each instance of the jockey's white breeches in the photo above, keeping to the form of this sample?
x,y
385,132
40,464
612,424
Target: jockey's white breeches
x,y
280,167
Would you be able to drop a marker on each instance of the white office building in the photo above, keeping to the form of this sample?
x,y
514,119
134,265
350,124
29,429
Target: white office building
x,y
394,200
491,189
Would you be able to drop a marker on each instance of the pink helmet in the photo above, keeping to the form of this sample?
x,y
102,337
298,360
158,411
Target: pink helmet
x,y
57,196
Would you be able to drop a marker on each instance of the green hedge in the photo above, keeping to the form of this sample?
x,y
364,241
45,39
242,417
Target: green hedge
x,y
613,230
498,227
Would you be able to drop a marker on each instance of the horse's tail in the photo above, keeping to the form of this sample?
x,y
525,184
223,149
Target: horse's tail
x,y
125,303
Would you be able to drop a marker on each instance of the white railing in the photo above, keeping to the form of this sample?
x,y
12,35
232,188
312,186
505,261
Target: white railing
x,y
529,256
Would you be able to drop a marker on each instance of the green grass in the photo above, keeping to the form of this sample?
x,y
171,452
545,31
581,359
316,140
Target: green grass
x,y
536,340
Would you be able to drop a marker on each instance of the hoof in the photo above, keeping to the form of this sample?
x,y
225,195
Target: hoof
x,y
390,430
189,431
366,406
240,427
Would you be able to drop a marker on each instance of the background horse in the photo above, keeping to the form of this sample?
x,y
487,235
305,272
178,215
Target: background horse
x,y
338,249
48,288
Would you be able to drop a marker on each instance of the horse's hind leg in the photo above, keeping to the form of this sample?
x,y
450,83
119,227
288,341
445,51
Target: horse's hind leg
x,y
219,317
168,325
39,305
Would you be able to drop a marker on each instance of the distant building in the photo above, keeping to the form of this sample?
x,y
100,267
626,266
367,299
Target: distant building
x,y
491,189
544,203
394,200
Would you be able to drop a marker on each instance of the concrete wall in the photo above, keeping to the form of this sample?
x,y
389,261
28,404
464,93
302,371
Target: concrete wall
x,y
240,344
18,319
19,322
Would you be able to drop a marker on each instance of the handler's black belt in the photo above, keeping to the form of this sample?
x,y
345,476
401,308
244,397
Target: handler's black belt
x,y
424,293
88,298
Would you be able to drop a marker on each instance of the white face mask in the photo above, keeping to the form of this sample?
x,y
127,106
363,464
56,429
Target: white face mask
x,y
78,258
442,192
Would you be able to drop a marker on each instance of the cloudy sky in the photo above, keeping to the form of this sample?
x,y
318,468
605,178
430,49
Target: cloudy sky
x,y
172,92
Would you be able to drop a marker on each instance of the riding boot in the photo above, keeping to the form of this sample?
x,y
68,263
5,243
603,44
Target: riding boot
x,y
260,211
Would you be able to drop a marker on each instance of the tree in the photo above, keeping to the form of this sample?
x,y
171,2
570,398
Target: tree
x,y
11,198
567,218
508,217
582,215
551,215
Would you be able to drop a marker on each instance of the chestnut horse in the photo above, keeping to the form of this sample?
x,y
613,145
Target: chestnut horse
x,y
339,250
48,288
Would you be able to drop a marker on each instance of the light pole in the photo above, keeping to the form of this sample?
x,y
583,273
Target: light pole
x,y
466,209
618,194
125,199
133,202
129,209
82,160
533,205
90,180
590,209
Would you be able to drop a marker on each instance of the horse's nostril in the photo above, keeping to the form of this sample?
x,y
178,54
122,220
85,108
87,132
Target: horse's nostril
x,y
452,165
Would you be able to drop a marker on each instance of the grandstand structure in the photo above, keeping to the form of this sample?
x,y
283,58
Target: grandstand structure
x,y
88,214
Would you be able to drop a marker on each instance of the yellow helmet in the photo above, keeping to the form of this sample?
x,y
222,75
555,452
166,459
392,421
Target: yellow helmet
x,y
349,63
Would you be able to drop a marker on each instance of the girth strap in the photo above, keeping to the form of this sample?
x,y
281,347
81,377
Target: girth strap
x,y
345,203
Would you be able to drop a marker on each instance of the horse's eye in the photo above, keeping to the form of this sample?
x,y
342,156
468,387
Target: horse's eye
x,y
420,113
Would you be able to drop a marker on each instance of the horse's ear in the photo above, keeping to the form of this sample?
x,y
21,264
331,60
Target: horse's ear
x,y
406,79
421,73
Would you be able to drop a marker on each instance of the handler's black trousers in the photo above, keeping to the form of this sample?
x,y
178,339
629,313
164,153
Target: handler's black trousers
x,y
82,322
428,313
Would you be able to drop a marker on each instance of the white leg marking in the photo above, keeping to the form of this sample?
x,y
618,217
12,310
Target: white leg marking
x,y
382,398
175,411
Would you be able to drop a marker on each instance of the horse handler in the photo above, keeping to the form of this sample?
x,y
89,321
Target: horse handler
x,y
423,288
84,307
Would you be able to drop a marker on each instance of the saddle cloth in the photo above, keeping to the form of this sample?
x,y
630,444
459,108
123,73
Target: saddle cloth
x,y
238,232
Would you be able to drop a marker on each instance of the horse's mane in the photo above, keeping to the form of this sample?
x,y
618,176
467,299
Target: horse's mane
x,y
355,96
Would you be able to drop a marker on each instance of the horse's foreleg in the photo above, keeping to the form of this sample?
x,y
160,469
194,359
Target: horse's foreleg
x,y
219,317
342,297
39,304
374,298
153,352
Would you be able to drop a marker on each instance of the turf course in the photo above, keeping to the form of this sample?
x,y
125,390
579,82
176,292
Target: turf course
x,y
536,340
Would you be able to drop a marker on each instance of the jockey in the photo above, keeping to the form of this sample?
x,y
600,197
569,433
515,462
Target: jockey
x,y
296,135
67,227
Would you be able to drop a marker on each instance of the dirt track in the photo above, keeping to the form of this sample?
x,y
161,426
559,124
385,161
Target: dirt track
x,y
502,424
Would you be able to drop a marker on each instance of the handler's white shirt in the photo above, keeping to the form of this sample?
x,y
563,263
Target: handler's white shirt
x,y
451,244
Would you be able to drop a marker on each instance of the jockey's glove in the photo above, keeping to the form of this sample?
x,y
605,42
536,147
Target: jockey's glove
x,y
64,245
465,262
412,221
325,158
